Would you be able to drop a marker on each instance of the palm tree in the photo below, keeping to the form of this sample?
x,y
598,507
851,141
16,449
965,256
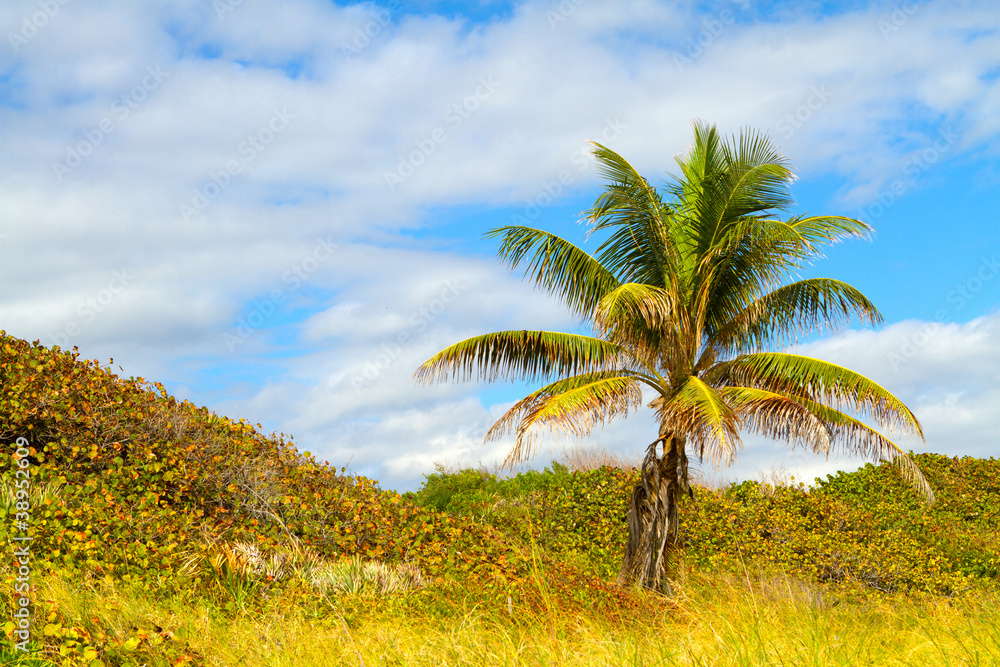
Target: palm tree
x,y
685,297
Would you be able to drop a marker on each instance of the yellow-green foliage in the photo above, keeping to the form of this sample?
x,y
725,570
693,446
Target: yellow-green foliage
x,y
137,495
863,529
128,484
125,480
138,475
720,620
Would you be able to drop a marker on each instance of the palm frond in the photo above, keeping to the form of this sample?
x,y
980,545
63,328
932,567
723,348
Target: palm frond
x,y
803,307
853,436
757,175
641,318
778,417
747,178
654,306
639,248
702,157
556,265
819,230
527,355
702,413
816,380
572,405
613,167
754,259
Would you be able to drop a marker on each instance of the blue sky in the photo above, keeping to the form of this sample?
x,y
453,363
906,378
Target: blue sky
x,y
277,208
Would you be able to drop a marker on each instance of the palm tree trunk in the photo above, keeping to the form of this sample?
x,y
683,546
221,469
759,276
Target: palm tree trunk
x,y
652,515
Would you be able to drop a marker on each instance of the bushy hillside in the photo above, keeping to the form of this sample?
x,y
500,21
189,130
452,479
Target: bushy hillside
x,y
129,489
125,479
127,484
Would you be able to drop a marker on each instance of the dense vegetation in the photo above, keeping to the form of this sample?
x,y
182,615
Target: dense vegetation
x,y
163,534
691,297
865,528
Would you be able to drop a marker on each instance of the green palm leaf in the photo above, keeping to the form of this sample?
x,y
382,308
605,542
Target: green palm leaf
x,y
639,248
701,412
780,417
557,266
527,355
816,231
641,318
818,381
803,307
853,436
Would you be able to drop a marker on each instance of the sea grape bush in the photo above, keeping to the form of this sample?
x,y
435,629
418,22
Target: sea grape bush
x,y
143,481
132,486
863,529
571,515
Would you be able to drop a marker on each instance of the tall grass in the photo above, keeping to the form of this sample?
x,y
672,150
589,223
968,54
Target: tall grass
x,y
723,620
578,458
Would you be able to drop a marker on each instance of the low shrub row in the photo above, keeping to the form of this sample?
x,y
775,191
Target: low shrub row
x,y
864,528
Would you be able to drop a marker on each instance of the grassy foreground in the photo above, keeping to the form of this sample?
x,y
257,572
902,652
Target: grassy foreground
x,y
723,620
162,534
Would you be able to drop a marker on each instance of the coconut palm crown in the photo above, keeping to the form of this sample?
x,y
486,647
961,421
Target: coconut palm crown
x,y
687,295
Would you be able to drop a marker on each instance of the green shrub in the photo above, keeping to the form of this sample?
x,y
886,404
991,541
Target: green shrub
x,y
129,485
862,529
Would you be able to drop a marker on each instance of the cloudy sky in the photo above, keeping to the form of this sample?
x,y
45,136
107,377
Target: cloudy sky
x,y
277,208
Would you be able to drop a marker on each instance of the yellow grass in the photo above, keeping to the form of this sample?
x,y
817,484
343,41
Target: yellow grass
x,y
722,620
